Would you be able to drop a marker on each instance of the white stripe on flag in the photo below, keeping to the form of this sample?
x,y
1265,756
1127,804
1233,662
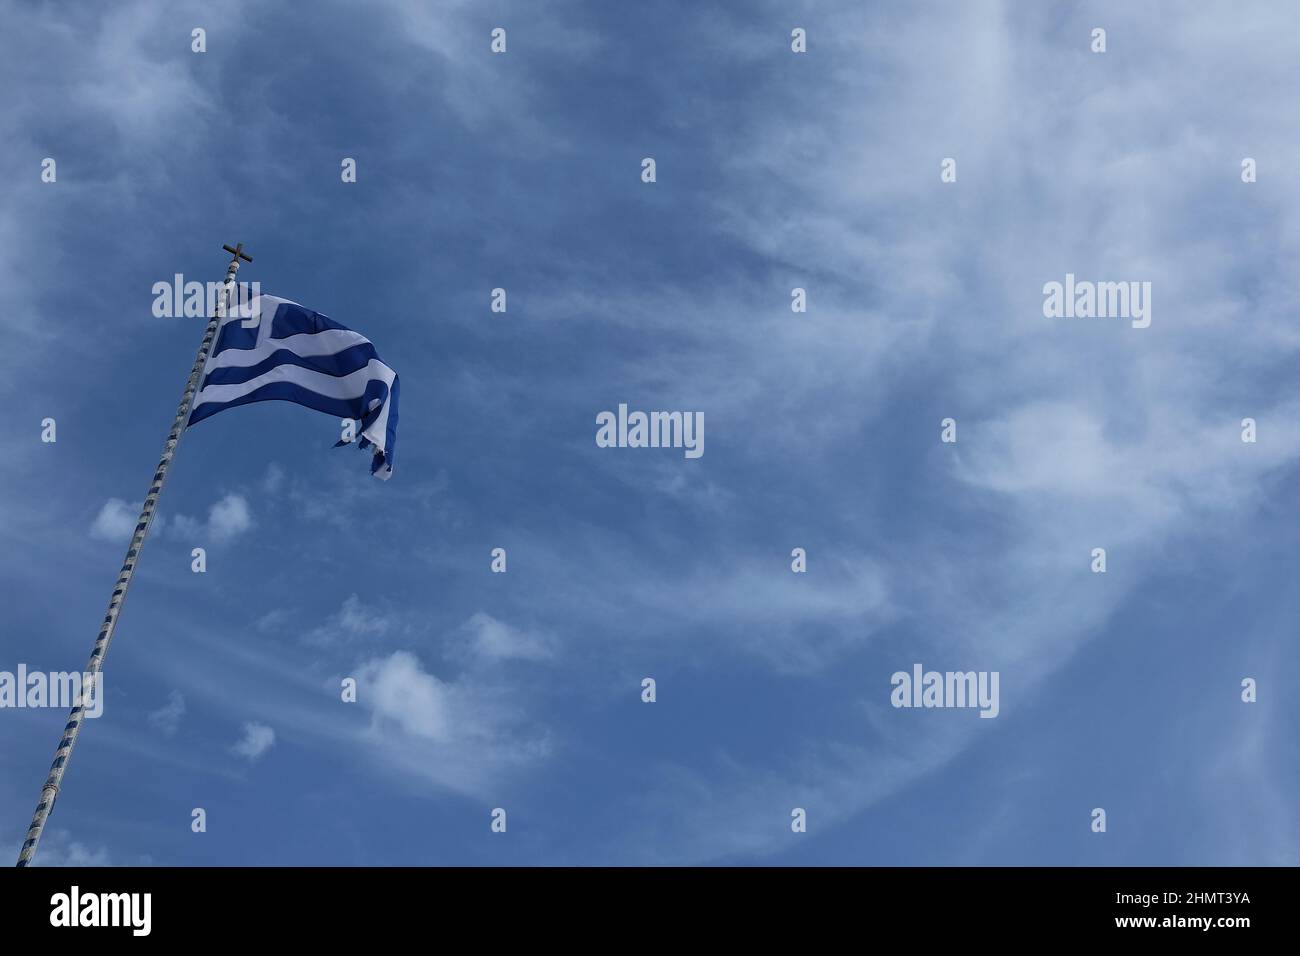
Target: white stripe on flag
x,y
330,386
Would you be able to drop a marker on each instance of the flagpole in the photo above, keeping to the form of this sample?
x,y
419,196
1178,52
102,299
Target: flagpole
x,y
91,686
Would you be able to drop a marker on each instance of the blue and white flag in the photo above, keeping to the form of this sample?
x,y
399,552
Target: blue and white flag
x,y
271,348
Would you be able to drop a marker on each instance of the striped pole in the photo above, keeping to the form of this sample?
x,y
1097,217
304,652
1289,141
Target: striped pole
x,y
63,754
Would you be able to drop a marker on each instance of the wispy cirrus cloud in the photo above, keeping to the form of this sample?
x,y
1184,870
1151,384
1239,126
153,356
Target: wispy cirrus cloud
x,y
167,718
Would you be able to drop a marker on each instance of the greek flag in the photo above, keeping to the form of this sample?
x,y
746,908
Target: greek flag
x,y
271,348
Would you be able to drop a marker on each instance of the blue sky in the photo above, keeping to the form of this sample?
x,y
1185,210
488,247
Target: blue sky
x,y
774,171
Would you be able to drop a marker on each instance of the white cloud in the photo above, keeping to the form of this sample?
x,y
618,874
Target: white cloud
x,y
257,740
168,718
273,620
745,600
155,91
469,83
273,479
1069,432
354,622
228,518
1072,435
115,521
398,690
58,848
486,638
463,735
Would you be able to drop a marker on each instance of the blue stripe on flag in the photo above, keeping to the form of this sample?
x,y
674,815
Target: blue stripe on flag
x,y
292,319
339,364
356,408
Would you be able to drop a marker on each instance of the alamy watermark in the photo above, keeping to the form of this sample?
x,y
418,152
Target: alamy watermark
x,y
74,908
651,430
1100,300
60,689
199,300
922,688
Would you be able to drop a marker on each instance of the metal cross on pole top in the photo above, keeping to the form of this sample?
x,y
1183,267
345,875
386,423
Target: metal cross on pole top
x,y
238,253
91,680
